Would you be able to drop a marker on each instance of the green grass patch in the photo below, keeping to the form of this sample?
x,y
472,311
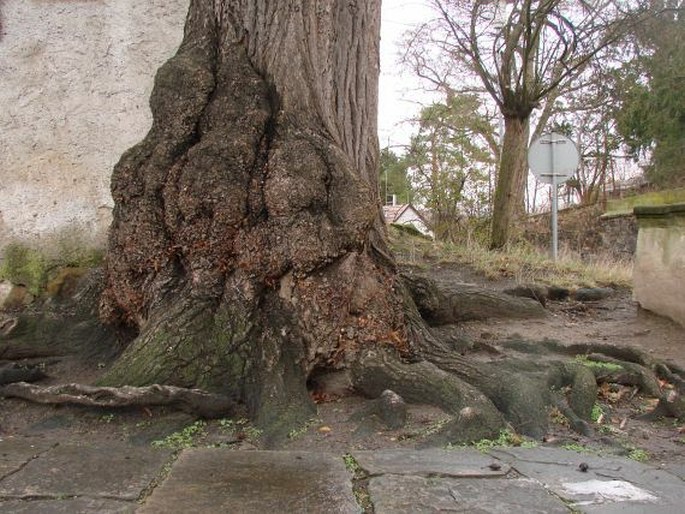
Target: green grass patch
x,y
351,464
597,365
638,454
577,447
596,413
24,266
182,439
505,439
302,429
241,425
360,485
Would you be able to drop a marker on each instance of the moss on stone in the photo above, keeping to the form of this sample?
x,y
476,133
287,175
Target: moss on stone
x,y
626,205
49,268
25,266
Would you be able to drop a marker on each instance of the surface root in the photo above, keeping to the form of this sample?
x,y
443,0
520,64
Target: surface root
x,y
193,401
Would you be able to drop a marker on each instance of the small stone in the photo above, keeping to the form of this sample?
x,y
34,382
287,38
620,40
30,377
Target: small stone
x,y
495,466
392,409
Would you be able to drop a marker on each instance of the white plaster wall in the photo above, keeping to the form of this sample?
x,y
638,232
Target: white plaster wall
x,y
75,76
659,270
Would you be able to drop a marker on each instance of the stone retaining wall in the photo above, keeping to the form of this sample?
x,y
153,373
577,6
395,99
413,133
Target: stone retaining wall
x,y
659,271
76,78
584,231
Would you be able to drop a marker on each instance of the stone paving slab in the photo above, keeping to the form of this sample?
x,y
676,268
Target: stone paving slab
x,y
108,470
16,452
68,506
396,494
610,484
457,463
44,476
212,480
676,469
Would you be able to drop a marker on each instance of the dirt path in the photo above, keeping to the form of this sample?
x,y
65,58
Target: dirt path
x,y
616,320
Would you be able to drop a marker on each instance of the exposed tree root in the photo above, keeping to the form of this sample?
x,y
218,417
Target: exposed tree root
x,y
576,423
16,352
193,401
7,324
482,391
625,366
14,373
475,416
441,304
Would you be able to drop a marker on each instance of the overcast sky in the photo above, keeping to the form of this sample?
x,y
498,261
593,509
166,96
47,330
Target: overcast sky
x,y
398,95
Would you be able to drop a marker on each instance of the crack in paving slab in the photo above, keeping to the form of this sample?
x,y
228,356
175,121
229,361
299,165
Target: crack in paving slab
x,y
67,506
106,471
465,463
16,454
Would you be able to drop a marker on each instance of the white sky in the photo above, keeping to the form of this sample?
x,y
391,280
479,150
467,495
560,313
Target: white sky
x,y
398,89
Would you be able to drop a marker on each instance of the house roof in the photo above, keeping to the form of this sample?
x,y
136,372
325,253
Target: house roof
x,y
392,213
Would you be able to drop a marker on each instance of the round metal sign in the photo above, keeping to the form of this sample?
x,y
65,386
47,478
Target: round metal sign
x,y
553,158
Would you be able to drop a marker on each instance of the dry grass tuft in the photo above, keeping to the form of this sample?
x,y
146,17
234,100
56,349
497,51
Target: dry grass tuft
x,y
522,263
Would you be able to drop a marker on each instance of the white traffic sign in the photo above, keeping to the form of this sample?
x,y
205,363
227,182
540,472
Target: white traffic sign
x,y
553,159
553,156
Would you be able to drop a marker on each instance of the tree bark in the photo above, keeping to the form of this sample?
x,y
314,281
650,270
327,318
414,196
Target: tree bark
x,y
508,205
247,245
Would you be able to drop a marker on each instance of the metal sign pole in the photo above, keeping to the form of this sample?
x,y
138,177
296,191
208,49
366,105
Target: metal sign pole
x,y
555,210
555,206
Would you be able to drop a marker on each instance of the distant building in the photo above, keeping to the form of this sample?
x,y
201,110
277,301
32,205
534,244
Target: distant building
x,y
406,214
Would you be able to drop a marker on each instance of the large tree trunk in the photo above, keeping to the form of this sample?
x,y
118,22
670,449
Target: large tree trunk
x,y
508,205
246,247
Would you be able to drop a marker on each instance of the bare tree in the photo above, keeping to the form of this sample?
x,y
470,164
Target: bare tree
x,y
522,54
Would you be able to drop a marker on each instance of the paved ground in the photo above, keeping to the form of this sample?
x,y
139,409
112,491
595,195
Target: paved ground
x,y
39,475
